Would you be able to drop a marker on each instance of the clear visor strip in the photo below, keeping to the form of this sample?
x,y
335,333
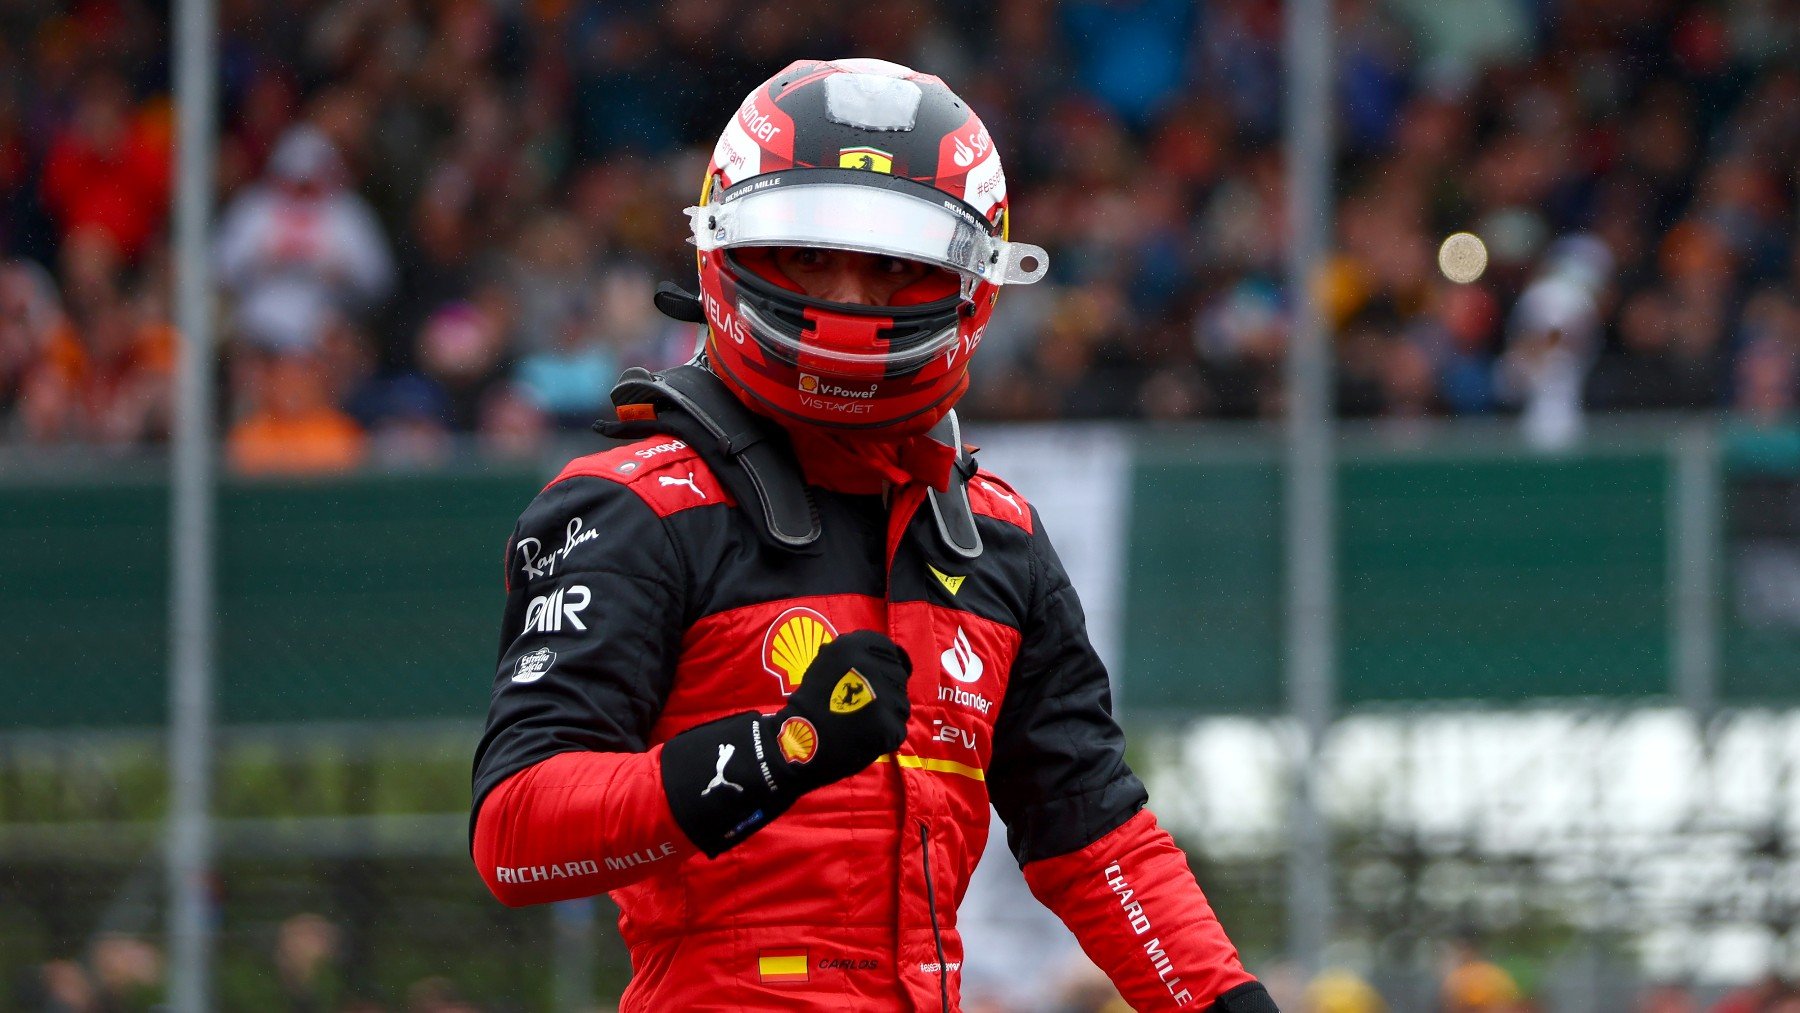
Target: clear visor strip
x,y
865,219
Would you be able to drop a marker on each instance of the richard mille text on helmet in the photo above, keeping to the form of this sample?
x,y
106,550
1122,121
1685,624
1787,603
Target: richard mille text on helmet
x,y
766,664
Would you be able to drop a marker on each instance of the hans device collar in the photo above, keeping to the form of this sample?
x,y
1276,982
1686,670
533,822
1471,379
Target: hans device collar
x,y
753,458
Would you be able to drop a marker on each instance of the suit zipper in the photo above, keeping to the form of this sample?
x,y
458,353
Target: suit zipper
x,y
937,936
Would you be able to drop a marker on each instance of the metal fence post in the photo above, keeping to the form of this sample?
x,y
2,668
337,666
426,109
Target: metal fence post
x,y
1695,503
573,973
1311,642
190,844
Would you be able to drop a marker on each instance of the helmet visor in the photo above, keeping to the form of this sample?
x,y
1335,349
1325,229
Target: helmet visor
x,y
819,208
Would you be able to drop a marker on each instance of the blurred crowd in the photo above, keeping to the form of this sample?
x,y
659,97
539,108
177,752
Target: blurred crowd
x,y
443,221
308,970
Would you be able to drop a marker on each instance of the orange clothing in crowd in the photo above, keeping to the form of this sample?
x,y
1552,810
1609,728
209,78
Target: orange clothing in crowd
x,y
63,357
318,441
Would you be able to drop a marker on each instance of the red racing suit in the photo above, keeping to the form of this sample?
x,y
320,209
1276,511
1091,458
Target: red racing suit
x,y
640,603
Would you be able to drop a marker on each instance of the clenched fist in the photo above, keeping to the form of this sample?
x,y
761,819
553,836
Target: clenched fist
x,y
728,778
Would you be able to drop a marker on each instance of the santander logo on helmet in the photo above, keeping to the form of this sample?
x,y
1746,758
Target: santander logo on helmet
x,y
869,164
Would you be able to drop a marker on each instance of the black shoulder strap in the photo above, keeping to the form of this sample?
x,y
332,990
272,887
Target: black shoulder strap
x,y
748,453
754,459
955,518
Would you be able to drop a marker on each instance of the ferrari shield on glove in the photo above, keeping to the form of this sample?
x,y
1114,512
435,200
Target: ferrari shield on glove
x,y
728,778
850,707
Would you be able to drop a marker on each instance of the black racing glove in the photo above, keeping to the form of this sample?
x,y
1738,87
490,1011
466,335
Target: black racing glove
x,y
1250,997
728,778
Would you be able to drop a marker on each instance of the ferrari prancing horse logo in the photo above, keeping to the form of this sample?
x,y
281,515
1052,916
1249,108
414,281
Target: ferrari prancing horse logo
x,y
872,159
851,694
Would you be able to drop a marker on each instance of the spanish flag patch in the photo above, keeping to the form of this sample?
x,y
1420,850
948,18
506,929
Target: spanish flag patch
x,y
782,967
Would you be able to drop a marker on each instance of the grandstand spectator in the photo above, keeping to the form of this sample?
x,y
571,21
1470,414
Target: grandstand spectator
x,y
57,986
23,231
308,955
1764,432
264,110
1341,991
1553,339
411,425
108,383
1456,331
127,971
1131,55
526,148
1669,997
1408,382
1474,984
1757,997
300,249
553,273
568,380
128,381
463,350
1766,384
510,424
108,171
38,345
1658,364
292,426
436,995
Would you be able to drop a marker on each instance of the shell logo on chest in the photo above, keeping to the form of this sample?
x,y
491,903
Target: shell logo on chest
x,y
791,644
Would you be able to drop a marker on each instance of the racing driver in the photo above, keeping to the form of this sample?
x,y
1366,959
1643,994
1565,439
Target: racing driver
x,y
766,664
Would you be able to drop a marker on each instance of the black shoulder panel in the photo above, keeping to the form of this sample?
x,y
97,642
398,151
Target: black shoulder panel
x,y
750,454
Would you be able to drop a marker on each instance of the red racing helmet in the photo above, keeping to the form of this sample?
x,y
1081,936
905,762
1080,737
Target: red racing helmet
x,y
870,157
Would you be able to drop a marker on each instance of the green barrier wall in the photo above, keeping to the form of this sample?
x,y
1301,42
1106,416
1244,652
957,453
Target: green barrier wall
x,y
1504,579
1500,579
368,597
1202,627
1478,574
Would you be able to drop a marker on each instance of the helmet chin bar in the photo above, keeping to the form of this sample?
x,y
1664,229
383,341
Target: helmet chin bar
x,y
915,421
785,324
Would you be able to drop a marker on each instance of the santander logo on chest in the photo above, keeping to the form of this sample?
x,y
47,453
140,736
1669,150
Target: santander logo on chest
x,y
960,660
965,667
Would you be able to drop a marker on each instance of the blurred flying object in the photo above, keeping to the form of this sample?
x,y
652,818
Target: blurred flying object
x,y
1462,257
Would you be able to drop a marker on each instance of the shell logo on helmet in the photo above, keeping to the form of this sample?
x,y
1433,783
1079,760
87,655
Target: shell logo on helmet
x,y
791,644
867,157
